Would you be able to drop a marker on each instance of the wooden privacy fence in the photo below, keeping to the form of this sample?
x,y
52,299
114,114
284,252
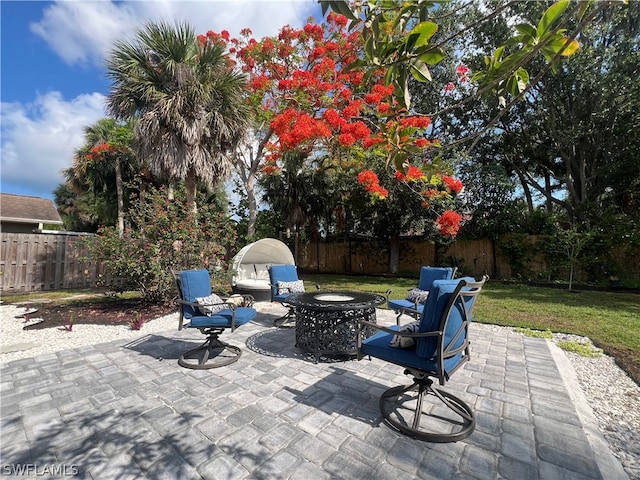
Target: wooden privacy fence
x,y
35,262
372,258
472,257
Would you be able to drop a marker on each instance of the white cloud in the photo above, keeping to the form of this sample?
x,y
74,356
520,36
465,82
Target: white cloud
x,y
84,32
39,139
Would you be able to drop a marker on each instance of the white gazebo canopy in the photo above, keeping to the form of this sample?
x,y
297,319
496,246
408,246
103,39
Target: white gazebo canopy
x,y
250,263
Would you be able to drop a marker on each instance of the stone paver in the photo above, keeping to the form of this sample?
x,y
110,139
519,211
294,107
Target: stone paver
x,y
127,410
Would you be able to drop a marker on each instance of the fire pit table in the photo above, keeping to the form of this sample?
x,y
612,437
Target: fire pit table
x,y
327,322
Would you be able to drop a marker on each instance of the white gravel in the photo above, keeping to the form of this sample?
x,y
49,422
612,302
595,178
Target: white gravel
x,y
32,343
613,396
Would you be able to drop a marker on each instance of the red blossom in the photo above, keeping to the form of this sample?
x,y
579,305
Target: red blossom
x,y
449,223
413,174
378,191
373,98
369,180
367,177
462,70
371,141
384,108
417,122
338,19
346,139
453,184
333,118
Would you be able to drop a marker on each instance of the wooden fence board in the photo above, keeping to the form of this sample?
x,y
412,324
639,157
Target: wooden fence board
x,y
37,262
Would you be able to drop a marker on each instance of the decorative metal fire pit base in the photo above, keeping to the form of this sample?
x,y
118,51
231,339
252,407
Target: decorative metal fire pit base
x,y
327,322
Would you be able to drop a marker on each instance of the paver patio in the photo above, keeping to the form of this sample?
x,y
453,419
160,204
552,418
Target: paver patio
x,y
127,410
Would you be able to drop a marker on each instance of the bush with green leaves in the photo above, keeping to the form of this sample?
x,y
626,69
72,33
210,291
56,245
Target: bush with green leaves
x,y
162,236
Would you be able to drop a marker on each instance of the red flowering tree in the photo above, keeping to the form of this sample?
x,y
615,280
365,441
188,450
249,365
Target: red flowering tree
x,y
306,100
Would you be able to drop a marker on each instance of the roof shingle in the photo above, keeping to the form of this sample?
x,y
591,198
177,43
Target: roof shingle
x,y
24,209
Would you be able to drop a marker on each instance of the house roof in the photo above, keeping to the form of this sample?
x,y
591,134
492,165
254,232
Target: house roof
x,y
24,209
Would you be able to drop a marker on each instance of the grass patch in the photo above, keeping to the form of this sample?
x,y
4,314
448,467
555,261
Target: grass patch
x,y
581,348
535,333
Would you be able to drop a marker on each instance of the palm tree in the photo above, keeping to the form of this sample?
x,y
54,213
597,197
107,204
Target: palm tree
x,y
186,99
107,146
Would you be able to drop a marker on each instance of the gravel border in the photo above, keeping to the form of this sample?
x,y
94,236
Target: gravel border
x,y
612,395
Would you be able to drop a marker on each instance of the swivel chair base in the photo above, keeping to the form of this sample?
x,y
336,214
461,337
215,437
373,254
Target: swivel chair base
x,y
213,353
286,321
449,419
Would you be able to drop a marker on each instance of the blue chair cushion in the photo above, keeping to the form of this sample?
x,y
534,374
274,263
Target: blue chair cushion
x,y
222,319
378,345
428,275
281,273
194,283
439,296
403,304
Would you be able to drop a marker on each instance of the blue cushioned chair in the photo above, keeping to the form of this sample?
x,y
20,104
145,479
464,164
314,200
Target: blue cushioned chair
x,y
441,348
213,352
283,273
414,308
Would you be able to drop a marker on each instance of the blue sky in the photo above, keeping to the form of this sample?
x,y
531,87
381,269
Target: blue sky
x,y
52,77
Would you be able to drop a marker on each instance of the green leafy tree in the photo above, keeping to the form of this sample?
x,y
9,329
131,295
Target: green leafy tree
x,y
404,40
186,100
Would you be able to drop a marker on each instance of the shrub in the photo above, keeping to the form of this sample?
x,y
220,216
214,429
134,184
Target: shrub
x,y
163,236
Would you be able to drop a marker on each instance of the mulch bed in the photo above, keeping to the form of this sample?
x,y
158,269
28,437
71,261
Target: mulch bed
x,y
98,312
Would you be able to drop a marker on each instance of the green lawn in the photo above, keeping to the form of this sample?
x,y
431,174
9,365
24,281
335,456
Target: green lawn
x,y
611,320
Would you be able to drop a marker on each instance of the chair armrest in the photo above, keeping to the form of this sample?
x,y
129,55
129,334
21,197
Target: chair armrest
x,y
248,300
396,332
375,326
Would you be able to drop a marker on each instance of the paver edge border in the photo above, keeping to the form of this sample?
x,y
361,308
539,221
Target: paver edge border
x,y
610,466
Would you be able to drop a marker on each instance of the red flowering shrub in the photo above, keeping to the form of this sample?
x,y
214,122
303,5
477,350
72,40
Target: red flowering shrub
x,y
161,238
369,180
453,184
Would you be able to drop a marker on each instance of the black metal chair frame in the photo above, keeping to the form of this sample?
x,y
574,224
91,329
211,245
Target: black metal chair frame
x,y
396,398
288,320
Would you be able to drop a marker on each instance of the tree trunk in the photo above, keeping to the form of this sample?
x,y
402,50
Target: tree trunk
x,y
547,187
190,183
394,254
253,206
527,191
120,197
